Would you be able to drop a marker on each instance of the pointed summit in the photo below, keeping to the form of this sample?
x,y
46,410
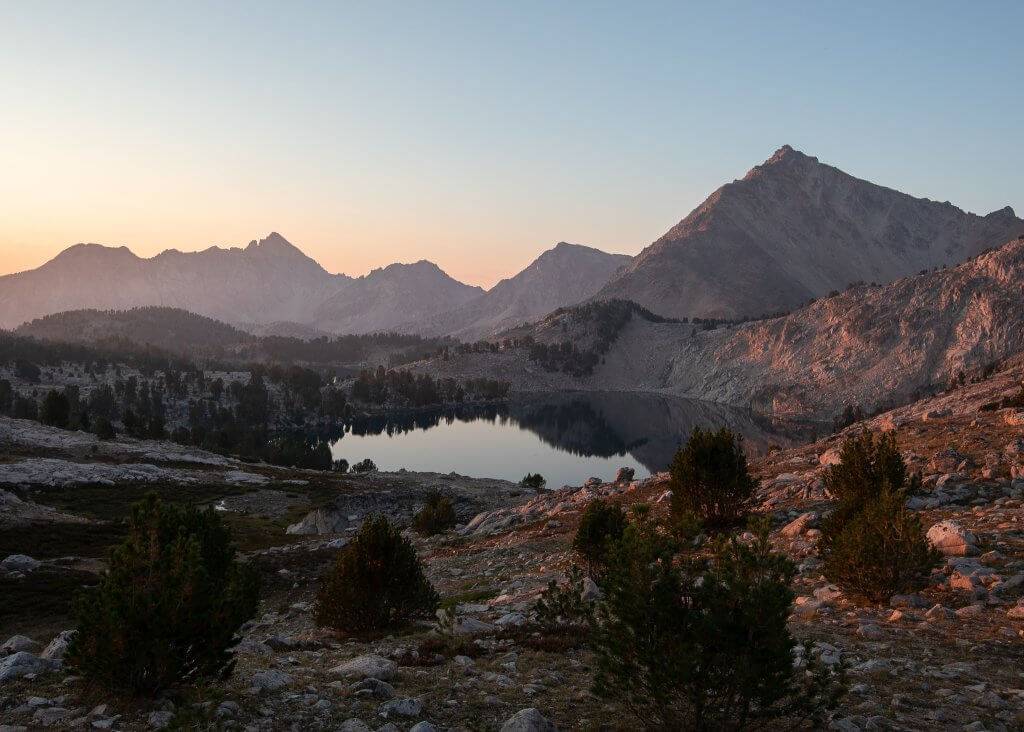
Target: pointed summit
x,y
785,158
793,229
563,275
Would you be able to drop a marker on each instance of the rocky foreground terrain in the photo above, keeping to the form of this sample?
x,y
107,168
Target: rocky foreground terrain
x,y
948,658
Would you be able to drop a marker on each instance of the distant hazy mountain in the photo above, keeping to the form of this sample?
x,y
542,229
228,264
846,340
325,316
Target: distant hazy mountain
x,y
564,275
268,282
390,296
793,229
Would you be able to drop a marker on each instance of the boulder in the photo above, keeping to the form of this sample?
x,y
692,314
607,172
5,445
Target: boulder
x,y
374,688
528,720
624,475
1017,611
400,708
798,525
270,680
56,648
830,457
17,643
511,620
590,592
952,539
320,521
22,664
828,594
19,563
940,612
470,626
159,720
807,607
369,666
50,716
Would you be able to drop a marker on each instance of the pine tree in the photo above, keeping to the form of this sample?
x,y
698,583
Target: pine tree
x,y
376,583
169,607
710,479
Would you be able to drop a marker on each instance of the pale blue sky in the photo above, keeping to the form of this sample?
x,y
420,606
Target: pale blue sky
x,y
478,134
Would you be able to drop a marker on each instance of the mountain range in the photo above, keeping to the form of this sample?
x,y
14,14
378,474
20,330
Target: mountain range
x,y
271,286
871,346
791,230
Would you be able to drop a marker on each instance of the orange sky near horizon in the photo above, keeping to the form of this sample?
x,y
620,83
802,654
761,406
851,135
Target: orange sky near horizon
x,y
475,135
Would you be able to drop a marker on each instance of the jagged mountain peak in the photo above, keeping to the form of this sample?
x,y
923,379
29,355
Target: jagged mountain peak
x,y
273,243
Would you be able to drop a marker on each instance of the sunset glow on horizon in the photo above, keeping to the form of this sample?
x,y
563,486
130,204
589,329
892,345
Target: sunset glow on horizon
x,y
475,136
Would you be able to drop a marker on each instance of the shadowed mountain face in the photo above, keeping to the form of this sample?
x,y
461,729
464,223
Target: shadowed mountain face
x,y
794,229
564,275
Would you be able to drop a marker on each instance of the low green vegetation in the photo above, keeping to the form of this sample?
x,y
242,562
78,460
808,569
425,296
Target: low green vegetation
x,y
436,517
533,480
695,640
169,607
601,525
872,545
710,480
376,583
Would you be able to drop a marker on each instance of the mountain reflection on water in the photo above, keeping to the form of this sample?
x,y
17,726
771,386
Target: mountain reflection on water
x,y
565,437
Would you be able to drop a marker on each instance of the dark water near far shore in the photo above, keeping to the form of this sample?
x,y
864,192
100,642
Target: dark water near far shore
x,y
565,437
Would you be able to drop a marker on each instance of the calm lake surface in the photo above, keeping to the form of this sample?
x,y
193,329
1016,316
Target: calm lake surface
x,y
566,438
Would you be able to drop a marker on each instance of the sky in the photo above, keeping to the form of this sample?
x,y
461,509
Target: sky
x,y
477,134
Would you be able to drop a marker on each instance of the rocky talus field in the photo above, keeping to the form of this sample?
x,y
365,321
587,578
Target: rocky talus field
x,y
948,658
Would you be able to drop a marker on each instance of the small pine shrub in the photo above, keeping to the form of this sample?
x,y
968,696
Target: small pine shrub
x,y
881,551
376,583
866,466
169,607
436,517
871,545
688,645
601,524
561,607
533,480
364,466
709,479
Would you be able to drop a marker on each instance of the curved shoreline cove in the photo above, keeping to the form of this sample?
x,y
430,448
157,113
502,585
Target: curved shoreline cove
x,y
566,437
